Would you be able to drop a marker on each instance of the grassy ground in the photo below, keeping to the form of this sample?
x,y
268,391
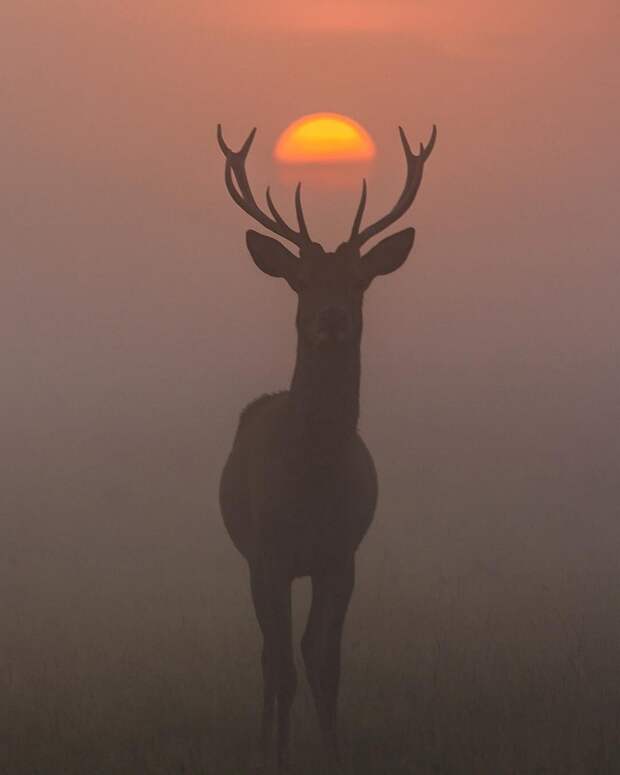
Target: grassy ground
x,y
453,686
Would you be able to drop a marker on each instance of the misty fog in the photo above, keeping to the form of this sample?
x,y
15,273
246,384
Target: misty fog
x,y
135,327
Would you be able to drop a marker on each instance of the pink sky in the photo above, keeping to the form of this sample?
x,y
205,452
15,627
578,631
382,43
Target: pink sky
x,y
113,184
134,325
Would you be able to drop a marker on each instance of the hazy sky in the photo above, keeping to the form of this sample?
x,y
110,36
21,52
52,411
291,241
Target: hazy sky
x,y
133,323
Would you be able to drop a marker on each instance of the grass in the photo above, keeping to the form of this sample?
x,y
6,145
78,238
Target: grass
x,y
444,684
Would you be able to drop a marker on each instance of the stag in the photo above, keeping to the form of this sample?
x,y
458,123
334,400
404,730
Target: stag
x,y
299,489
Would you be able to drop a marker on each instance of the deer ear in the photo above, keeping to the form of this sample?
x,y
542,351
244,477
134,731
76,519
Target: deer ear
x,y
271,257
387,255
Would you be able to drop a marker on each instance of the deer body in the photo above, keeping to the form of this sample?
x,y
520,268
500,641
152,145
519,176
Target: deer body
x,y
300,482
299,489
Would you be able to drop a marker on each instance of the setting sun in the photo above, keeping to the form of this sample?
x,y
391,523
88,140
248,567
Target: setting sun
x,y
324,138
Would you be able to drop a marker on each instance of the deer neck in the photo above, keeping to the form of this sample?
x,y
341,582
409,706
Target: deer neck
x,y
324,396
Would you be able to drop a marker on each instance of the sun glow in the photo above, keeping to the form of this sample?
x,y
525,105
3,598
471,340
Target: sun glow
x,y
324,138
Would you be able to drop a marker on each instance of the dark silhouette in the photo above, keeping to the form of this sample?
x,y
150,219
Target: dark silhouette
x,y
299,489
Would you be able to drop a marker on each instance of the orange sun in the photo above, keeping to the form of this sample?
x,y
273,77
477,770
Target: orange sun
x,y
324,138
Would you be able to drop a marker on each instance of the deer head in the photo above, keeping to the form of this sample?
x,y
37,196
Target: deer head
x,y
330,286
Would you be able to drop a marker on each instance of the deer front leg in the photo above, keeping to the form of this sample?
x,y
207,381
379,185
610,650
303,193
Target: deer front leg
x,y
321,644
271,594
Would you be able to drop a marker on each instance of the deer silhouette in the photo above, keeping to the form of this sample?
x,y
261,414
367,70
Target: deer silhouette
x,y
299,489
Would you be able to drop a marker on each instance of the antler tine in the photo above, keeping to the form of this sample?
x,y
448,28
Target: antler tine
x,y
405,142
360,213
220,139
241,193
415,168
246,202
426,151
300,214
235,160
273,209
228,152
245,148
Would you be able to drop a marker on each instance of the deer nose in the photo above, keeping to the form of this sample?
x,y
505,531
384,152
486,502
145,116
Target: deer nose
x,y
334,321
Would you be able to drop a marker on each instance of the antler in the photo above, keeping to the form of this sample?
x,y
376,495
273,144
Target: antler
x,y
415,167
242,194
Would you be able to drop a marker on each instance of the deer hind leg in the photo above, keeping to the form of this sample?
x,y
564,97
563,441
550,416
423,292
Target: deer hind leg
x,y
272,601
321,642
